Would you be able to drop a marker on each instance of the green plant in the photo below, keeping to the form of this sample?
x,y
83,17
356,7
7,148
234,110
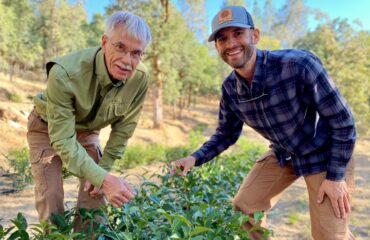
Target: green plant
x,y
18,160
196,138
197,206
21,225
200,127
140,154
14,97
293,217
177,152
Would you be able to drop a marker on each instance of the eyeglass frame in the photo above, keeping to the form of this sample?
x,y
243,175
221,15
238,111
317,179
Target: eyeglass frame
x,y
136,55
263,94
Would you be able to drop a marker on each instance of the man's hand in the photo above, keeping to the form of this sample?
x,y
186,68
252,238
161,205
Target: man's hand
x,y
117,190
185,164
339,196
93,191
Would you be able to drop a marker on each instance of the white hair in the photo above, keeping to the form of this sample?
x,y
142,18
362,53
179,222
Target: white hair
x,y
133,25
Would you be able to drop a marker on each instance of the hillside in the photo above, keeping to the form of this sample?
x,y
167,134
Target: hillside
x,y
290,219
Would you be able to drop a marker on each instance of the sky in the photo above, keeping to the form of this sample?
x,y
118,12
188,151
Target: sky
x,y
350,9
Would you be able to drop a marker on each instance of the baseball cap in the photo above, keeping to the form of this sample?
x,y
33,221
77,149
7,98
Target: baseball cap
x,y
230,16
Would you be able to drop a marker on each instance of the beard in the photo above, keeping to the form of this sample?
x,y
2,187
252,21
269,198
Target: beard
x,y
247,53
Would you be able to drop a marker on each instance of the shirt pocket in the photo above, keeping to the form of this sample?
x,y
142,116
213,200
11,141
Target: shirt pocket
x,y
120,109
42,156
41,160
116,110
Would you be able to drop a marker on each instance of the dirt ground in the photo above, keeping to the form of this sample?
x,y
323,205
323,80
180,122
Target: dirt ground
x,y
289,219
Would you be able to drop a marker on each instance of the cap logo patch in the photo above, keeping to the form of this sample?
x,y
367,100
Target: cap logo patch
x,y
225,15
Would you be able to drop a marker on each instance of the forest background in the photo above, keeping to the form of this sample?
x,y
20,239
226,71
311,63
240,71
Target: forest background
x,y
186,75
183,65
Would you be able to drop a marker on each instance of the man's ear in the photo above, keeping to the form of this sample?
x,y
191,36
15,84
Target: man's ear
x,y
256,36
104,40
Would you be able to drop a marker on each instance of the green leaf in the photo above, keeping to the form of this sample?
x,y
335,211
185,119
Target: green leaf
x,y
199,229
20,234
20,222
265,231
165,214
8,230
258,216
154,198
198,238
150,184
56,235
101,237
182,219
127,236
24,235
196,215
14,235
175,236
37,229
111,235
134,209
58,220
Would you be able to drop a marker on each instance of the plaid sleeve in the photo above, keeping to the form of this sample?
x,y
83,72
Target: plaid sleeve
x,y
332,107
227,133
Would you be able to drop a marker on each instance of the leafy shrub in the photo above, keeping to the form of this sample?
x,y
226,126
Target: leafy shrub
x,y
177,152
194,207
140,154
196,138
14,97
200,127
18,160
245,147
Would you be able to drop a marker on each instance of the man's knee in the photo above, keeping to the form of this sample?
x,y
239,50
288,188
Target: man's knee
x,y
249,205
239,204
53,195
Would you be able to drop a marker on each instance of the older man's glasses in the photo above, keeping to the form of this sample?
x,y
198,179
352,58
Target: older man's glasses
x,y
121,48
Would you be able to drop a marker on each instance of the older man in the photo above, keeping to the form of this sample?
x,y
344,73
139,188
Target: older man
x,y
87,91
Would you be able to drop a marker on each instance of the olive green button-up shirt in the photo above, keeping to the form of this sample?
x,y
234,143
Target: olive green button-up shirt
x,y
79,97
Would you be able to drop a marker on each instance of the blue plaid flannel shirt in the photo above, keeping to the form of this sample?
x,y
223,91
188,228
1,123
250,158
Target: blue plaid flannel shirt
x,y
294,104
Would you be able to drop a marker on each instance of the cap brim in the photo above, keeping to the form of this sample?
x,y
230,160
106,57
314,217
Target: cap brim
x,y
241,25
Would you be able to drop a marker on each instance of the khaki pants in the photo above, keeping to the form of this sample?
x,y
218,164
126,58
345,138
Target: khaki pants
x,y
266,181
47,169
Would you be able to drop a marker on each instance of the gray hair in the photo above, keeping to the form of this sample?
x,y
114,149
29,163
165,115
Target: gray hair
x,y
133,25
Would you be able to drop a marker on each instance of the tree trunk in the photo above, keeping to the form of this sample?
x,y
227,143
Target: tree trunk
x,y
11,71
157,101
190,93
158,111
181,106
174,110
